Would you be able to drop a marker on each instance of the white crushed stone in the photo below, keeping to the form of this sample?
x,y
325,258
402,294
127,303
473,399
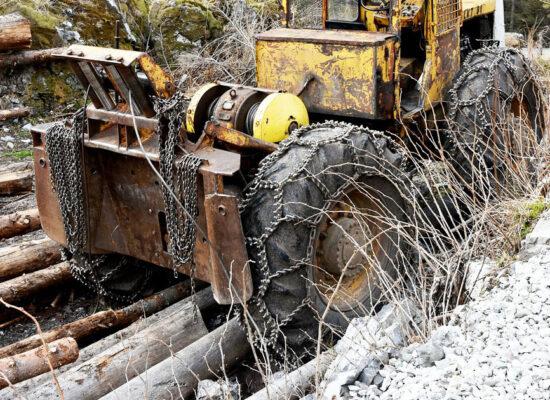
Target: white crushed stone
x,y
496,347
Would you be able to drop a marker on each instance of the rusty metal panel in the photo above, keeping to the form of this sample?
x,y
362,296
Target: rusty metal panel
x,y
126,210
333,72
230,270
46,199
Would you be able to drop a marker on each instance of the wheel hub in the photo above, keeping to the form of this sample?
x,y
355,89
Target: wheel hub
x,y
344,247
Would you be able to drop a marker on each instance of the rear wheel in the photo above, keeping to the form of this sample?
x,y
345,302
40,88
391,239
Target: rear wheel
x,y
496,118
321,223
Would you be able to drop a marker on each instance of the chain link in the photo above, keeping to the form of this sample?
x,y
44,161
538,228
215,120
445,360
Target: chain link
x,y
64,149
180,184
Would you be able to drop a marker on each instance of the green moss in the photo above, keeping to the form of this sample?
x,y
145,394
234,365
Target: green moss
x,y
18,154
53,88
179,24
531,214
43,20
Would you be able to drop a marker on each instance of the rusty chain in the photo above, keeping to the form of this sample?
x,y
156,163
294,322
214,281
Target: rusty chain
x,y
64,149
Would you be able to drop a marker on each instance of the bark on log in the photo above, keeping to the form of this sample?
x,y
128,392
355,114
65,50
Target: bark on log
x,y
203,299
103,320
19,223
296,383
15,32
16,182
14,113
122,362
16,290
29,57
34,362
28,257
179,375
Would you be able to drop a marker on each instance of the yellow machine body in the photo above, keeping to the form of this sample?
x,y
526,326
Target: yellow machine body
x,y
267,115
333,72
278,115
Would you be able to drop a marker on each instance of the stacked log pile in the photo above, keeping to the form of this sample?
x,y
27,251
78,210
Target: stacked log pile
x,y
159,345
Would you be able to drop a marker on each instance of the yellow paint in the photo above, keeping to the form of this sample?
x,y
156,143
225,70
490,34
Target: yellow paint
x,y
192,108
276,114
162,83
442,55
330,78
474,8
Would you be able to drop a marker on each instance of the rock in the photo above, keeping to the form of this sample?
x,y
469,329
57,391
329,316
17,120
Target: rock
x,y
478,274
172,38
365,347
220,390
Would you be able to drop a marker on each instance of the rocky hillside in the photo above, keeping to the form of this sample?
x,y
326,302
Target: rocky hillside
x,y
164,28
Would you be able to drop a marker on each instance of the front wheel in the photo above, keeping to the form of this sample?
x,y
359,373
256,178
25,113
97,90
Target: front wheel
x,y
322,220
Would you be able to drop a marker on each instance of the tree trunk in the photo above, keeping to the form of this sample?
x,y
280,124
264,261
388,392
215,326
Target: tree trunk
x,y
15,32
18,289
102,321
203,299
34,362
30,57
19,223
179,375
14,113
28,257
15,182
294,384
127,359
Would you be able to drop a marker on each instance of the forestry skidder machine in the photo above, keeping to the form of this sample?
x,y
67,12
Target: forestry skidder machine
x,y
249,188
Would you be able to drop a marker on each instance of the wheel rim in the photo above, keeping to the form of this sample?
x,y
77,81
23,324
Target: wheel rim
x,y
348,251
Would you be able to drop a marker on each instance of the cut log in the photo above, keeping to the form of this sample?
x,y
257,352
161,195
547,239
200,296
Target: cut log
x,y
28,257
103,320
203,299
16,182
178,376
16,166
29,57
34,362
125,360
297,382
15,32
14,113
15,290
19,223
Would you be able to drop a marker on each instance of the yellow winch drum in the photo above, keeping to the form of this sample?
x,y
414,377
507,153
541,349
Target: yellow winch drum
x,y
264,114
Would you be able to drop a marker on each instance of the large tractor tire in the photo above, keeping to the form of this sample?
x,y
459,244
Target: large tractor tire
x,y
496,117
328,190
115,277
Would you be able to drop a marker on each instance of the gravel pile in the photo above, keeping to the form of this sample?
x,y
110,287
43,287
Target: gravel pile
x,y
496,347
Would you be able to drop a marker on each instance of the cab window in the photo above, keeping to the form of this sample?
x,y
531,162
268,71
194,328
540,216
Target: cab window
x,y
343,10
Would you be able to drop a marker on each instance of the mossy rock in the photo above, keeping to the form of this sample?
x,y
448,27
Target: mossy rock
x,y
51,88
178,25
62,22
44,21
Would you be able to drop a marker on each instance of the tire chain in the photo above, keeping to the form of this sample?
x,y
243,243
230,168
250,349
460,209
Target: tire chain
x,y
502,57
180,182
257,245
64,150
